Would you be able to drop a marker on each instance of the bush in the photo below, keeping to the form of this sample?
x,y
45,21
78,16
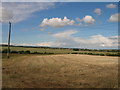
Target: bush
x,y
75,49
114,54
27,52
96,53
90,53
102,54
14,51
21,52
45,52
5,51
35,53
85,53
48,53
74,53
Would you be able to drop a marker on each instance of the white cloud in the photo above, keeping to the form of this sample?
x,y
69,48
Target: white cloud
x,y
65,34
57,22
45,44
97,11
49,33
88,19
22,11
66,39
101,40
78,19
111,6
114,17
6,15
42,29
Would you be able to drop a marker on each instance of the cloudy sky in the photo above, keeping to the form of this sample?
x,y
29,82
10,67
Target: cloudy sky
x,y
63,24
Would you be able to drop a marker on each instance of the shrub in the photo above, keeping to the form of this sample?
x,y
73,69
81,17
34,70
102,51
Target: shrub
x,y
5,51
45,52
75,49
90,53
21,52
74,53
14,51
102,54
81,53
35,53
114,54
27,52
50,53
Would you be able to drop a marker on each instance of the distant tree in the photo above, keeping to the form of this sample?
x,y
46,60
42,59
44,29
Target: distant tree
x,y
74,53
75,49
35,53
14,51
27,52
21,52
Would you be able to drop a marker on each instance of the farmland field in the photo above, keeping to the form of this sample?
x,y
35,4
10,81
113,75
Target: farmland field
x,y
60,71
60,51
40,50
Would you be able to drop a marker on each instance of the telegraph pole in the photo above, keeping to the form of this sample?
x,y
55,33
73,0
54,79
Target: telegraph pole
x,y
8,52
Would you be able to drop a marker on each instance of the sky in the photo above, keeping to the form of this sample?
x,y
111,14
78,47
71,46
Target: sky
x,y
61,24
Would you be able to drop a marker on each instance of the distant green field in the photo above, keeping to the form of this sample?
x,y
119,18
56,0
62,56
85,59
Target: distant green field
x,y
60,51
40,50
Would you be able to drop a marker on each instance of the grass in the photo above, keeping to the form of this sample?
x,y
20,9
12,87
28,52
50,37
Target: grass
x,y
40,50
60,51
60,71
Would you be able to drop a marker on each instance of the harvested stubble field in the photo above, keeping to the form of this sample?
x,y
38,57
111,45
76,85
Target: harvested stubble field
x,y
60,71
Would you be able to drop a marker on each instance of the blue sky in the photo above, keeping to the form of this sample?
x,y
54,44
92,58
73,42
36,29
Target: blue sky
x,y
68,24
